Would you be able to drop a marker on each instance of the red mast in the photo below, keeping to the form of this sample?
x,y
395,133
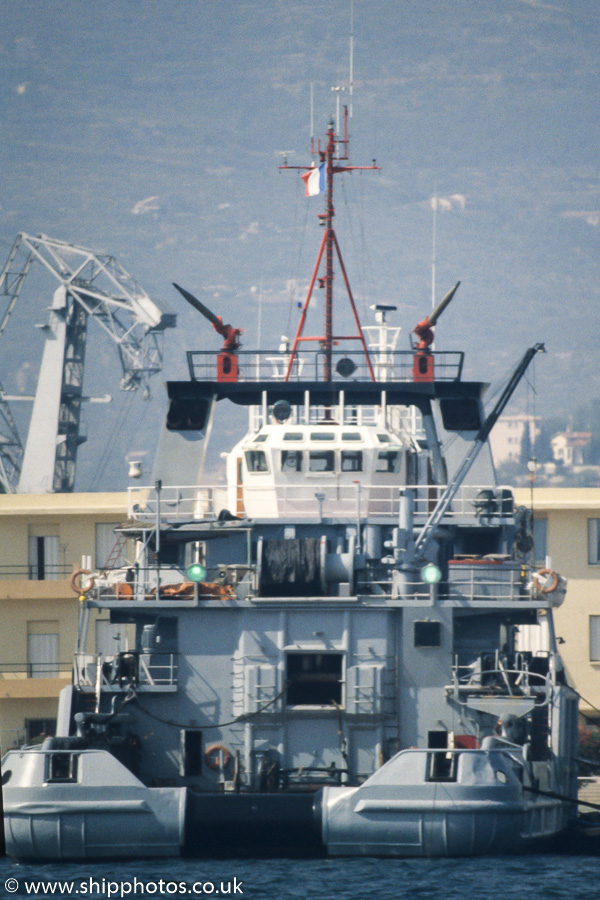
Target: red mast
x,y
330,248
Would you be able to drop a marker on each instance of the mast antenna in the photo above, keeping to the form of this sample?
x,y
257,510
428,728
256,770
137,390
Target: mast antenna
x,y
434,205
351,91
312,118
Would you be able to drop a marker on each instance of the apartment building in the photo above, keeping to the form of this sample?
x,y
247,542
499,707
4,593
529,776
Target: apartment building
x,y
43,538
567,530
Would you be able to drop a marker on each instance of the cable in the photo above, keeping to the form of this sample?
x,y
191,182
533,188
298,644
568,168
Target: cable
x,y
244,718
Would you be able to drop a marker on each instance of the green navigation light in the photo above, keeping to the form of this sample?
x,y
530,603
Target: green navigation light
x,y
431,574
196,572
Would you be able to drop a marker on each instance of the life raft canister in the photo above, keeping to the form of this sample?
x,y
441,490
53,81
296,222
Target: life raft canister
x,y
214,754
545,581
77,585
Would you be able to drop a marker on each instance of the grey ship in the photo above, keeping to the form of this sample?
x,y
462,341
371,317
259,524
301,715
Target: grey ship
x,y
344,650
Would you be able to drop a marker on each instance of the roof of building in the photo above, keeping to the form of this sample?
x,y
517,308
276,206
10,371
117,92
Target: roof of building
x,y
100,503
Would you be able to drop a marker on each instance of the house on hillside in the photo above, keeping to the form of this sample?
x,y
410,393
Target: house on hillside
x,y
569,447
512,436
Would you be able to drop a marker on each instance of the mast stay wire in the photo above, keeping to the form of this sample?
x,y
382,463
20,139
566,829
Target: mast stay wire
x,y
299,232
359,248
110,442
489,398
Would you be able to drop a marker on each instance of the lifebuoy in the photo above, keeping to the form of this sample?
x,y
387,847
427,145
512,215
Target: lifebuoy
x,y
545,581
78,586
213,757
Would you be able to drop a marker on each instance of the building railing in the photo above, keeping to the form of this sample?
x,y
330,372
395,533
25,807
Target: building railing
x,y
27,572
309,365
312,499
38,669
120,671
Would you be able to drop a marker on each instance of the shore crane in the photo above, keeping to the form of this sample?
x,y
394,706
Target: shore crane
x,y
91,286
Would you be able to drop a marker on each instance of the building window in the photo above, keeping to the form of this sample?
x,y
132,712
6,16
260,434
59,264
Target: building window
x,y
44,562
39,729
42,649
594,638
314,679
594,542
540,540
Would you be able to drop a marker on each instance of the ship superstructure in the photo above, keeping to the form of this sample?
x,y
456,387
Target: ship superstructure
x,y
325,653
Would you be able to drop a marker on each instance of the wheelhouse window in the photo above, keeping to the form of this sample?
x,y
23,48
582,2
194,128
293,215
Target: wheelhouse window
x,y
321,461
293,436
314,679
291,460
352,461
256,461
322,436
388,461
351,436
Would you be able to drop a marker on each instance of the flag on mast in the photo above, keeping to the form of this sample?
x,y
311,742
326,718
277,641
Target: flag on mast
x,y
314,180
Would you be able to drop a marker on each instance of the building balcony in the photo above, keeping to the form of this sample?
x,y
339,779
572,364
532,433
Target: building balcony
x,y
33,681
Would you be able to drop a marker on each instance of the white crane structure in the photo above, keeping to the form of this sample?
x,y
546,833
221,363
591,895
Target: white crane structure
x,y
91,286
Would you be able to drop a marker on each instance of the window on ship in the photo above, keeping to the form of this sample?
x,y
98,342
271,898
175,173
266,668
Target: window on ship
x,y
314,679
388,461
256,461
351,461
291,460
321,461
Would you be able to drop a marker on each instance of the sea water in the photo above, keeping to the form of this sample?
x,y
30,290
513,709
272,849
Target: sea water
x,y
526,877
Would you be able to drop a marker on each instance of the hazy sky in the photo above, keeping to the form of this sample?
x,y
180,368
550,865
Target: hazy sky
x,y
154,129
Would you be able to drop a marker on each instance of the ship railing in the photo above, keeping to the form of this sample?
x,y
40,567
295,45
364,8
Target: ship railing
x,y
310,365
404,421
168,584
313,498
121,671
494,579
488,578
495,674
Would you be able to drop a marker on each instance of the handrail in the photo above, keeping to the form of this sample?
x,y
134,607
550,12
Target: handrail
x,y
310,365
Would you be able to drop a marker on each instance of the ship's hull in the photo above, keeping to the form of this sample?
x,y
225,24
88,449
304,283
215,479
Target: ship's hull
x,y
105,820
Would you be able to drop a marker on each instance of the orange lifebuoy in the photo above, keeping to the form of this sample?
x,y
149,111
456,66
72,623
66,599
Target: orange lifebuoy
x,y
77,585
545,581
213,753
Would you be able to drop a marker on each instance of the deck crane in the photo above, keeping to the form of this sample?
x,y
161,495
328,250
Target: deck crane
x,y
91,286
